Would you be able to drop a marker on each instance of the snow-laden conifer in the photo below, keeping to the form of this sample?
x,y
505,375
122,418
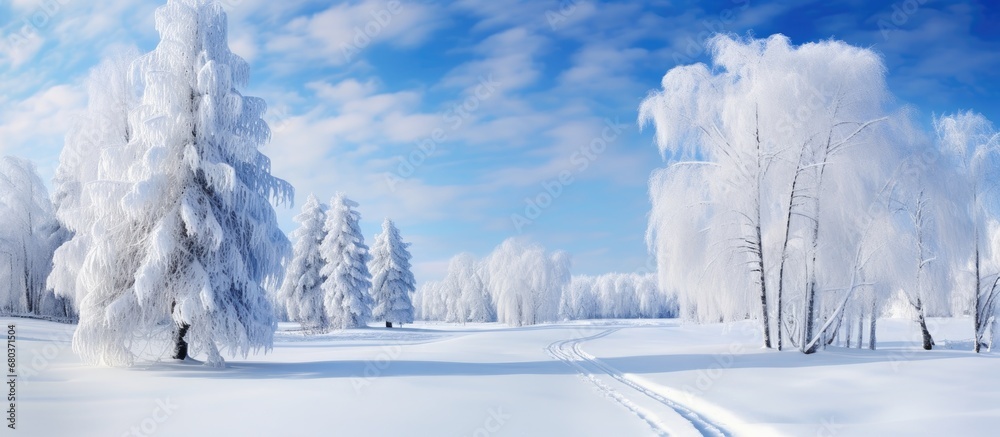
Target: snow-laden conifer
x,y
301,293
186,238
90,162
392,280
347,284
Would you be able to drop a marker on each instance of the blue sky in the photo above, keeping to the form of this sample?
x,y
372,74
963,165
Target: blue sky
x,y
452,117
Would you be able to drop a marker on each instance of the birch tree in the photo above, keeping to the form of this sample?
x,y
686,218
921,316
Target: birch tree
x,y
973,142
764,124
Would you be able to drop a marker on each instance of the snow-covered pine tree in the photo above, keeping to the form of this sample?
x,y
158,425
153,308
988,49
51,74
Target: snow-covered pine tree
x,y
189,238
392,280
301,292
346,295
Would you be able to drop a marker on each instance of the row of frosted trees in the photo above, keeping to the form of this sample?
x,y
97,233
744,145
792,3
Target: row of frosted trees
x,y
519,283
616,296
333,280
29,233
798,194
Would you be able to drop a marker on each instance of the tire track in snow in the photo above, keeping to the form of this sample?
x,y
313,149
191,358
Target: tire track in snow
x,y
556,350
575,356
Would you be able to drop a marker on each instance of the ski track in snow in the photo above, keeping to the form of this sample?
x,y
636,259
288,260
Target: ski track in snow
x,y
570,352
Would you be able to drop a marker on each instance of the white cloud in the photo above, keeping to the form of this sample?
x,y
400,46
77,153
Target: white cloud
x,y
34,128
339,34
507,57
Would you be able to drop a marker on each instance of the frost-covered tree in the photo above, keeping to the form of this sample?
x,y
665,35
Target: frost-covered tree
x,y
756,145
465,272
616,295
186,236
392,280
301,293
579,301
29,233
526,283
88,159
926,200
346,288
429,301
974,143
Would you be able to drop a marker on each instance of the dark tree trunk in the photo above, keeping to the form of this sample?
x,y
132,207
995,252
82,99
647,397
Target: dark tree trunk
x,y
922,320
871,328
388,324
180,345
810,315
861,327
928,340
759,243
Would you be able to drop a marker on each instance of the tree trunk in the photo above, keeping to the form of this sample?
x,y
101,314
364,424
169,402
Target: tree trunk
x,y
765,311
922,320
861,327
763,289
871,328
847,332
180,345
810,315
784,248
388,324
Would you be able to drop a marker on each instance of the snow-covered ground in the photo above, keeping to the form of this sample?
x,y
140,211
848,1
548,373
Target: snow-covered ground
x,y
642,378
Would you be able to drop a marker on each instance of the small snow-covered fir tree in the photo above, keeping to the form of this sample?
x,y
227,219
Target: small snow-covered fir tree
x,y
346,288
392,280
301,292
186,237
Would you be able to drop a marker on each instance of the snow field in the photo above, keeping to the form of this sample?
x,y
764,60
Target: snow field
x,y
619,377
